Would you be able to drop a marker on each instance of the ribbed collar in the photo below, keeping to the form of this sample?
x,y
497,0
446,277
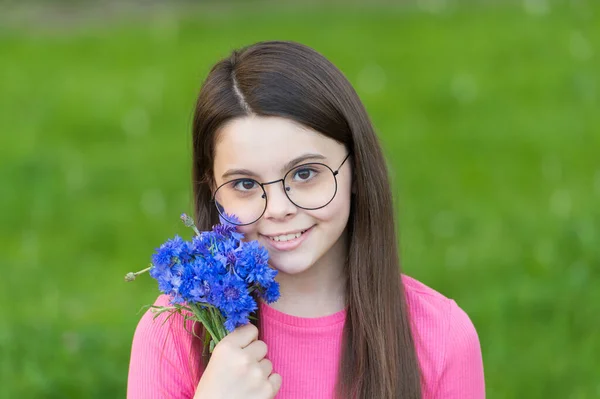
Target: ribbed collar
x,y
269,312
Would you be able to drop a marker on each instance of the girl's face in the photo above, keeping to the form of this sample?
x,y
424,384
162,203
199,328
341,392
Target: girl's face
x,y
264,146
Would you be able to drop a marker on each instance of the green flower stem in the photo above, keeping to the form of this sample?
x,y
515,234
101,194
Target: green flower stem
x,y
218,322
221,325
215,324
200,314
131,276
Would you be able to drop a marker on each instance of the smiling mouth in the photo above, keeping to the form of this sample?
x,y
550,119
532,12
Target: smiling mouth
x,y
287,237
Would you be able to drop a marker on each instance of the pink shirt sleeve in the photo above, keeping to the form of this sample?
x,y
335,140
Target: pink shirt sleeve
x,y
462,374
163,363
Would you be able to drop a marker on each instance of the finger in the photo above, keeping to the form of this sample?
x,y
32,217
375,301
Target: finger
x,y
266,366
243,336
275,380
257,350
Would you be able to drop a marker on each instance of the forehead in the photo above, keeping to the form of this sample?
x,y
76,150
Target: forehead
x,y
265,144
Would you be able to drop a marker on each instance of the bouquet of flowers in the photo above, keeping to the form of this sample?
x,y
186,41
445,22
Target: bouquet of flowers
x,y
215,278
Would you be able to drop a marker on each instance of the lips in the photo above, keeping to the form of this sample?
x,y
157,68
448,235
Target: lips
x,y
287,237
290,244
285,234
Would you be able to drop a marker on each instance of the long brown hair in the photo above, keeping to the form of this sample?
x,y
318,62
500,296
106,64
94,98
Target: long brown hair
x,y
293,81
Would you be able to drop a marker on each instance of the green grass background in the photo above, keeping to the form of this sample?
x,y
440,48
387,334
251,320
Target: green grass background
x,y
489,116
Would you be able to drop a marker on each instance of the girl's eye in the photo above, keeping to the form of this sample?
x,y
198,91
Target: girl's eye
x,y
304,174
244,185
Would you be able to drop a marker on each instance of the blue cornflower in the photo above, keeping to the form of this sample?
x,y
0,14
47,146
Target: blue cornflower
x,y
186,252
201,243
215,268
262,274
226,220
165,254
235,320
163,275
253,264
233,300
224,245
271,293
200,291
228,290
228,231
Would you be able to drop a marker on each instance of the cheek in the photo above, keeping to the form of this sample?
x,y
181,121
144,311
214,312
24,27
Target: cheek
x,y
249,232
336,211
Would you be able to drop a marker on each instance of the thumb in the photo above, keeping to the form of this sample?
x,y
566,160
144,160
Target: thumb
x,y
275,380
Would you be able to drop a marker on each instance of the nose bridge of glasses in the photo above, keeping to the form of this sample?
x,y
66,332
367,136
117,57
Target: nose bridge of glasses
x,y
273,182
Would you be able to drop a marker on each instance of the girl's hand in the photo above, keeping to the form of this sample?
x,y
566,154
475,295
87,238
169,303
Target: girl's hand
x,y
238,369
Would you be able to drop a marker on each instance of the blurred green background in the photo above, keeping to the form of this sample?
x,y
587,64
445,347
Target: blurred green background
x,y
488,113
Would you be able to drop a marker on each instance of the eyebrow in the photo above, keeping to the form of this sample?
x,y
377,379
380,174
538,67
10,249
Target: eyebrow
x,y
286,167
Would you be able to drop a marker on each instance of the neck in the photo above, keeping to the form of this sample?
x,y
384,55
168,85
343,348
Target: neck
x,y
318,291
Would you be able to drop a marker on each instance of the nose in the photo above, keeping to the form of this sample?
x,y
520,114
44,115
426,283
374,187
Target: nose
x,y
278,204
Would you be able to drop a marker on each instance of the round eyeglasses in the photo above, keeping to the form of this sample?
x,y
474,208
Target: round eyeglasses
x,y
308,186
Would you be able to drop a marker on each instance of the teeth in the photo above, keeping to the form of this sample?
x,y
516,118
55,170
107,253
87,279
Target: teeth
x,y
286,237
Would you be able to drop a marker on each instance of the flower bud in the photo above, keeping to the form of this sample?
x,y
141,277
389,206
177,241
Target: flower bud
x,y
188,221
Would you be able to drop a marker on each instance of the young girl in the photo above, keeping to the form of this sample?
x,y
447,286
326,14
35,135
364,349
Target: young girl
x,y
281,140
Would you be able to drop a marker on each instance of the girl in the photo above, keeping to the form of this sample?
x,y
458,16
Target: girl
x,y
281,140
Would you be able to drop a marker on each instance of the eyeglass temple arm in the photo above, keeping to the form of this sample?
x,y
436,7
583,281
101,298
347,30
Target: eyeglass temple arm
x,y
339,167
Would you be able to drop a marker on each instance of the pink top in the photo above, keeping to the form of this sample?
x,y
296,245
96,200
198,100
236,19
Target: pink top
x,y
163,364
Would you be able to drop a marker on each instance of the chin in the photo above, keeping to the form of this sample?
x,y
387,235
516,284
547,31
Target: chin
x,y
290,266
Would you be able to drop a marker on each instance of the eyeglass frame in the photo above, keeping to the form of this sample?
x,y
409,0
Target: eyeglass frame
x,y
285,189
